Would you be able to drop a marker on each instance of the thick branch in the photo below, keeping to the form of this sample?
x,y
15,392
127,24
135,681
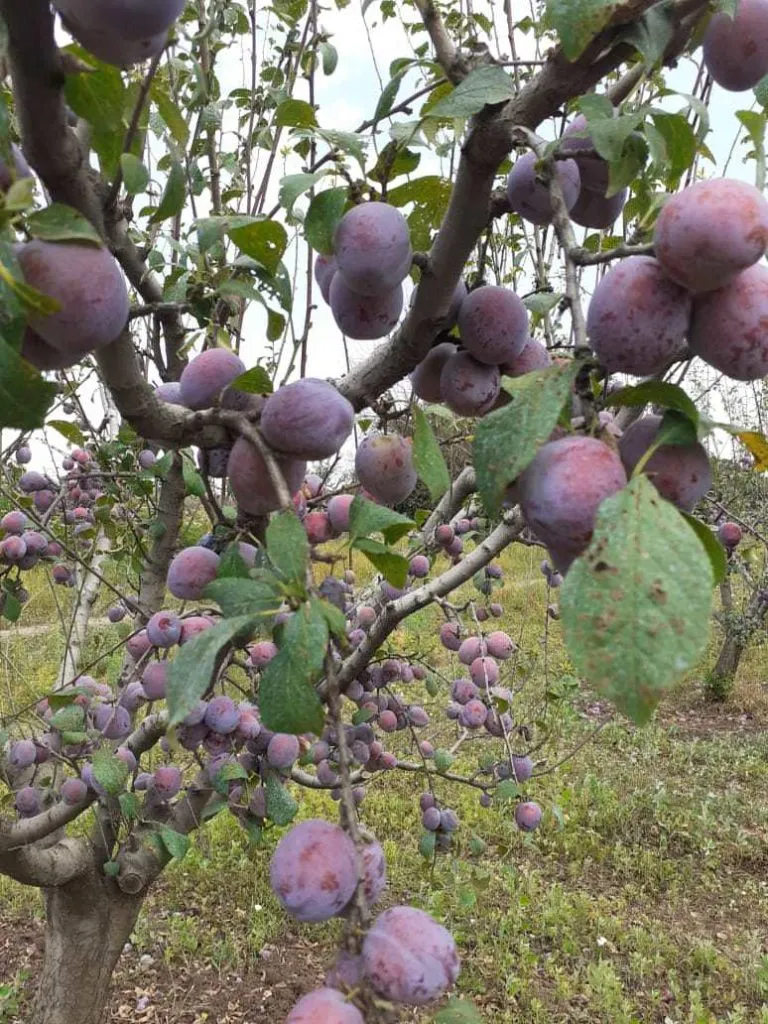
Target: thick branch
x,y
30,830
51,866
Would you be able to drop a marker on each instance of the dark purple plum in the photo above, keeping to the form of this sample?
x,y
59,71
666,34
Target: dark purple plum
x,y
250,482
164,629
638,318
221,715
166,781
425,379
206,376
493,323
338,512
308,419
710,232
681,473
313,871
533,357
154,680
529,196
191,571
469,387
283,750
736,48
728,329
408,957
324,1006
364,317
528,816
595,210
372,245
325,268
384,465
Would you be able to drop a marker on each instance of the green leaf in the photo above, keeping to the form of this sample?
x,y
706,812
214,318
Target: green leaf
x,y
60,223
193,482
714,549
191,671
293,113
229,772
237,597
324,213
506,791
287,697
393,567
135,174
63,699
459,1011
129,806
176,843
25,396
110,771
335,617
635,608
541,303
428,460
507,440
679,142
232,565
652,33
69,719
281,806
577,22
443,759
99,97
11,606
111,869
656,392
366,517
294,185
488,84
174,194
70,431
170,112
255,381
263,240
288,547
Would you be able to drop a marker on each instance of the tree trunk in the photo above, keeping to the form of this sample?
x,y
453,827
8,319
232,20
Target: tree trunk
x,y
88,923
728,660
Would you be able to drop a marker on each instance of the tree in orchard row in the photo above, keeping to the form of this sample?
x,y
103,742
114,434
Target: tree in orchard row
x,y
246,675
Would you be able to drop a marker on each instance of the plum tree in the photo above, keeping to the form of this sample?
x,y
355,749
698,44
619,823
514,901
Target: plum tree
x,y
372,246
493,323
206,376
364,317
680,472
638,318
408,957
728,326
710,232
87,284
313,870
384,466
308,419
469,387
562,489
529,195
425,379
250,481
191,571
736,46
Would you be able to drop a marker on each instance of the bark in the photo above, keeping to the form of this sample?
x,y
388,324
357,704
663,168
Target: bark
x,y
738,633
87,925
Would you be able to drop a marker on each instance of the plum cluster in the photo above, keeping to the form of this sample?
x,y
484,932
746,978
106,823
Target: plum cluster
x,y
363,280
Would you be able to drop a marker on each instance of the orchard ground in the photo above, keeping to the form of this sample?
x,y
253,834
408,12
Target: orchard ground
x,y
643,897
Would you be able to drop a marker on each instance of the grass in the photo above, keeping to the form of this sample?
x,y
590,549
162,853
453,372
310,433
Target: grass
x,y
642,898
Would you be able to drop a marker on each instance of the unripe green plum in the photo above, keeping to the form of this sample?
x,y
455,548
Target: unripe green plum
x,y
638,318
250,482
710,232
372,245
89,286
308,419
384,465
728,328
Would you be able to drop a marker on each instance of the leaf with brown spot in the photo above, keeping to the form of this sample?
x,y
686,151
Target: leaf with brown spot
x,y
634,631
